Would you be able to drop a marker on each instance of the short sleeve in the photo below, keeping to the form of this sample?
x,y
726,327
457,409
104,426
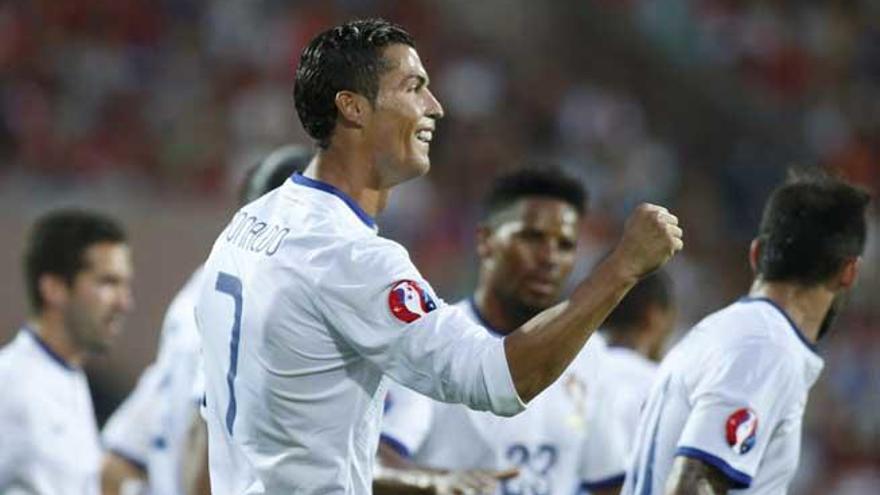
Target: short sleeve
x,y
377,301
407,419
736,408
607,438
130,430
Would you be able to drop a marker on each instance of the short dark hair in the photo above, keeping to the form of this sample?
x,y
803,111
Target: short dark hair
x,y
346,57
270,172
655,289
811,225
549,182
57,245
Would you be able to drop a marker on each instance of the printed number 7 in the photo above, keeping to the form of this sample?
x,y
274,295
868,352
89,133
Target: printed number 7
x,y
230,284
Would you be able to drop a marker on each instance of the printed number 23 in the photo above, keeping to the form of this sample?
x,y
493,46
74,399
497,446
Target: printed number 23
x,y
231,285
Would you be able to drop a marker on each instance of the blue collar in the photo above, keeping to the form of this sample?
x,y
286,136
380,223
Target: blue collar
x,y
365,217
48,350
482,321
797,331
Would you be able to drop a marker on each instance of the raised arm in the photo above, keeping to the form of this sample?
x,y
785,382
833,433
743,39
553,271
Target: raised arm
x,y
540,350
691,476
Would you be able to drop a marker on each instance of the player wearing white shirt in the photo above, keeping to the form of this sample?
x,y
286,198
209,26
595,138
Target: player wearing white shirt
x,y
631,338
305,308
539,451
153,437
526,246
78,274
726,408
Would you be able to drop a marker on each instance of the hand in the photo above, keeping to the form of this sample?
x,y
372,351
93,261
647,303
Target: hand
x,y
650,238
472,482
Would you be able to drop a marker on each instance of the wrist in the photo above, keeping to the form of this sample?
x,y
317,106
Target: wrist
x,y
617,267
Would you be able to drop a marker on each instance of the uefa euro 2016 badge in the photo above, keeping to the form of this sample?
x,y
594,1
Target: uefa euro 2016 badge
x,y
408,301
741,430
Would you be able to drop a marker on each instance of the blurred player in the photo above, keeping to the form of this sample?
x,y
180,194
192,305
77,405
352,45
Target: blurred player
x,y
725,410
526,245
78,274
156,435
305,308
629,343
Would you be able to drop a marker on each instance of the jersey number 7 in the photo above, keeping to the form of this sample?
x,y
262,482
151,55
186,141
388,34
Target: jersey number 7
x,y
231,285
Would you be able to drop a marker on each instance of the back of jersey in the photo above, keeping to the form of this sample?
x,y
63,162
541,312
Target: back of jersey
x,y
730,394
263,353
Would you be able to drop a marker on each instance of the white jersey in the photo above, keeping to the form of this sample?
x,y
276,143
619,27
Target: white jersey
x,y
303,310
48,436
627,377
731,394
151,428
546,443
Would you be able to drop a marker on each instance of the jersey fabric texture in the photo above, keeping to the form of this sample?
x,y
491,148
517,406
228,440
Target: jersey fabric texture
x,y
731,394
303,311
547,442
626,376
48,437
152,426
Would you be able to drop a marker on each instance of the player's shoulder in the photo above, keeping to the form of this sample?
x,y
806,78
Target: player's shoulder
x,y
368,256
21,370
629,365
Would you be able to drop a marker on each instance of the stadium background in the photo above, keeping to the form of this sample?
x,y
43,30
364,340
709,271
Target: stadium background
x,y
152,110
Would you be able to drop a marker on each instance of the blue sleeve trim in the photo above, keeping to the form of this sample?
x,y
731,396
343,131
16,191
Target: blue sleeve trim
x,y
396,445
134,461
739,478
610,482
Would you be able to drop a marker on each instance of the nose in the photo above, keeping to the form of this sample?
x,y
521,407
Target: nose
x,y
125,299
549,254
434,108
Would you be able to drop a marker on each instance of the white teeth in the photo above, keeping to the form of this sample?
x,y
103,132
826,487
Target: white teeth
x,y
425,135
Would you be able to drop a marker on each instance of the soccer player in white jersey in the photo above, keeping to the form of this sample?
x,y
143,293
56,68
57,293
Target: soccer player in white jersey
x,y
78,275
155,439
630,341
305,308
526,246
725,411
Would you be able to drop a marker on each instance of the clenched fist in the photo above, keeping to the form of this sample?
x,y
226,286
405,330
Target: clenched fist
x,y
650,238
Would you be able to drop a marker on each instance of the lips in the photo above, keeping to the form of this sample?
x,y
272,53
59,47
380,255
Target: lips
x,y
542,285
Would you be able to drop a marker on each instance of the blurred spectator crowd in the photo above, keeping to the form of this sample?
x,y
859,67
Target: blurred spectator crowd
x,y
178,97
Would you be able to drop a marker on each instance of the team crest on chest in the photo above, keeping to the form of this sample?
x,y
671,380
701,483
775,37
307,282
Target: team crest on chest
x,y
741,430
408,301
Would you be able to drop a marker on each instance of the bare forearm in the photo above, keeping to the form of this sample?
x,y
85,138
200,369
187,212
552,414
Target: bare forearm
x,y
390,481
540,350
399,475
693,477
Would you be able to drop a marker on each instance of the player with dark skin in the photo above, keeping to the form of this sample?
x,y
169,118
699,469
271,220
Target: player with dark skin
x,y
527,249
369,144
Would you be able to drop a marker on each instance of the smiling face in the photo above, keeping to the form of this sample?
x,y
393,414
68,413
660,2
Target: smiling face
x,y
527,254
99,297
401,124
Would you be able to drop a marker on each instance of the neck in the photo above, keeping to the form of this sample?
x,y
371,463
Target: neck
x,y
52,331
501,317
806,306
631,339
349,171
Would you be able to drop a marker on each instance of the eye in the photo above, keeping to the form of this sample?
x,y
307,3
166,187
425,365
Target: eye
x,y
567,245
